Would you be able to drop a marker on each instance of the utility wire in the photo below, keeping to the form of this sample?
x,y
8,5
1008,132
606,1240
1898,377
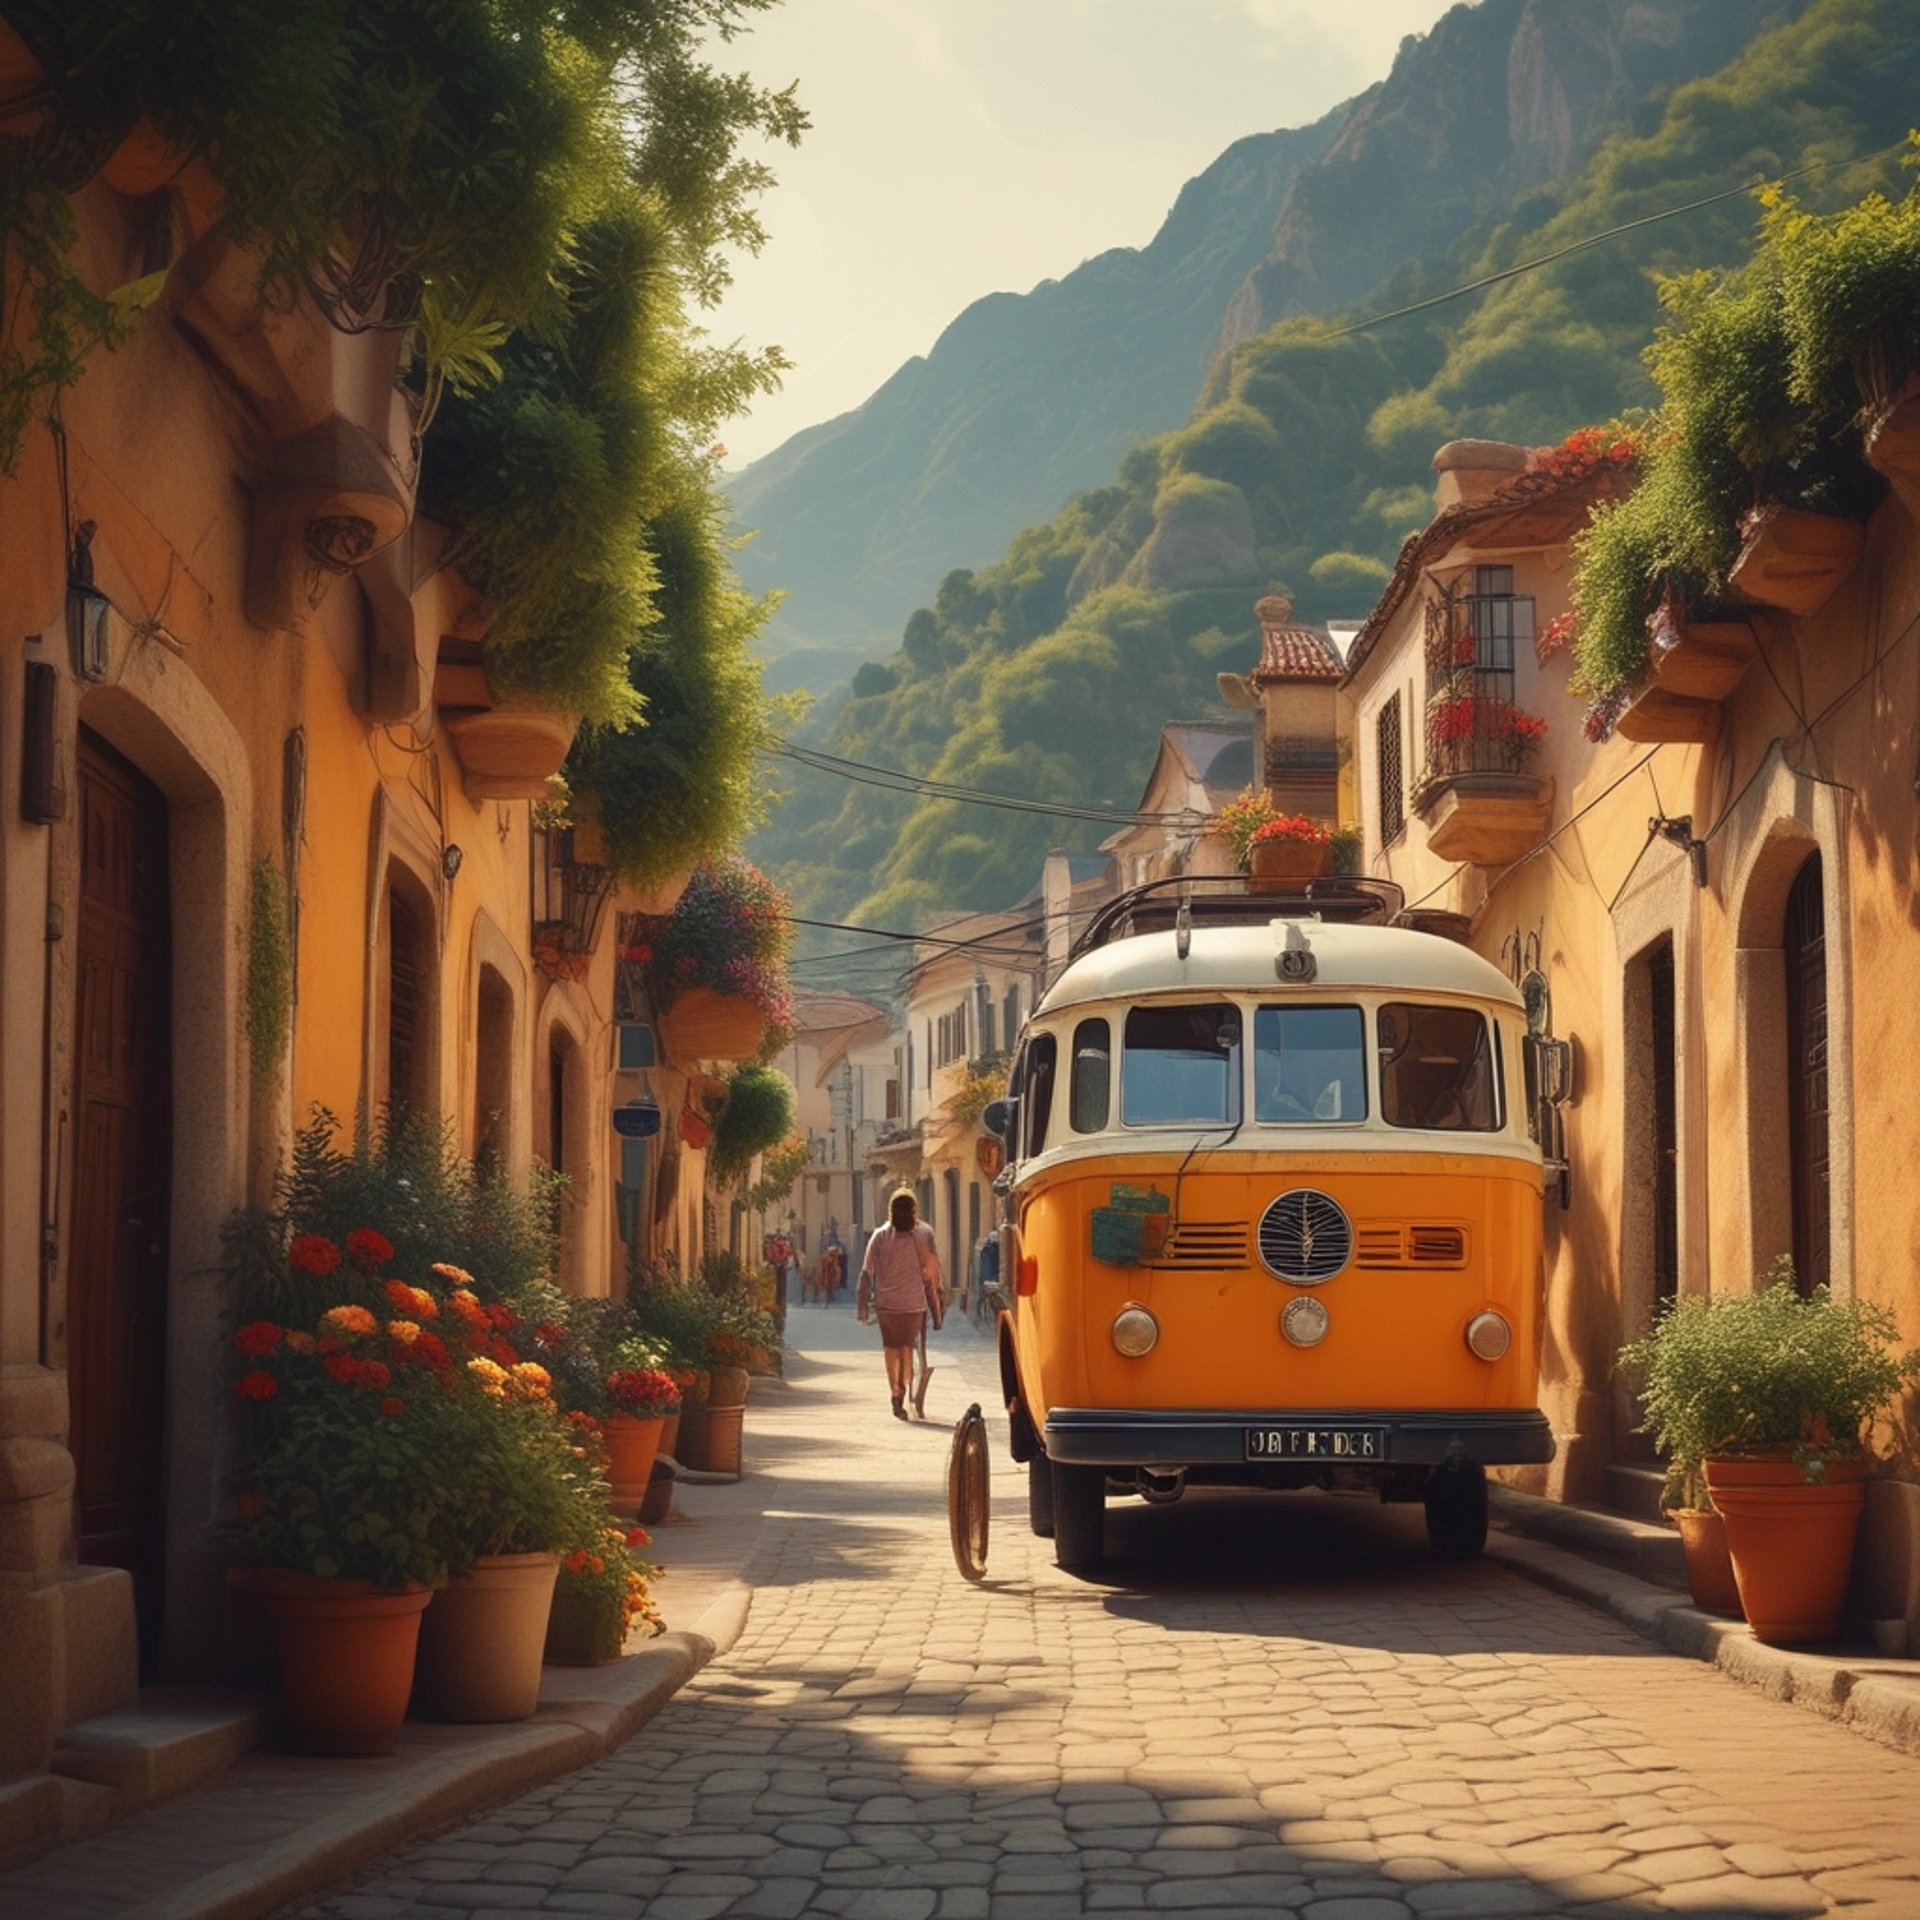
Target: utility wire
x,y
892,779
1595,239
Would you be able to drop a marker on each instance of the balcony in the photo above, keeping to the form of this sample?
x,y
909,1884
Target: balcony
x,y
1480,804
1697,663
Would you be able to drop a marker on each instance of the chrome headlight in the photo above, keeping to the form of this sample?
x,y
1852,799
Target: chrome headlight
x,y
1488,1335
1135,1332
1304,1320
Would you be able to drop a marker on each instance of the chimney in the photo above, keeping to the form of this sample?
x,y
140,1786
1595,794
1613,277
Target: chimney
x,y
1474,470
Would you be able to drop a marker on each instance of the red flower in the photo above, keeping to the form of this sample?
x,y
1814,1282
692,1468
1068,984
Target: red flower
x,y
370,1373
503,1318
549,1333
427,1351
576,1561
257,1338
639,1537
366,1248
313,1253
501,1351
342,1367
393,1408
256,1386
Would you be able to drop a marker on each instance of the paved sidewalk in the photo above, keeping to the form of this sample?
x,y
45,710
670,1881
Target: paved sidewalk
x,y
1271,1705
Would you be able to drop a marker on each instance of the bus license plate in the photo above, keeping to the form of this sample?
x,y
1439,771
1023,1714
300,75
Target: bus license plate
x,y
1316,1443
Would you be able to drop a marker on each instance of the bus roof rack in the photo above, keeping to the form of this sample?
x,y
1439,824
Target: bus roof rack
x,y
1227,900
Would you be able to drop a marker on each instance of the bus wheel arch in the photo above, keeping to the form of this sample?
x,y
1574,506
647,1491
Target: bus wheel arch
x,y
1022,1436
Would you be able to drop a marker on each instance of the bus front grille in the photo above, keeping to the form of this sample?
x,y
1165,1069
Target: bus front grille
x,y
1387,1244
1204,1243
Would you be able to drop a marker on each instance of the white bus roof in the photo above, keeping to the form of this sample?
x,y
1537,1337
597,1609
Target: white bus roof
x,y
1242,960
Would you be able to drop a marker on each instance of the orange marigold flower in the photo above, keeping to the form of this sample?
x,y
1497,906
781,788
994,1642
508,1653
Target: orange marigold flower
x,y
256,1386
405,1332
350,1320
490,1377
368,1249
535,1378
392,1407
448,1271
468,1308
313,1253
576,1560
298,1342
411,1300
258,1337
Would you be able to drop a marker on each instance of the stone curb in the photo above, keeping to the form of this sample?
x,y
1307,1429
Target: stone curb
x,y
1877,1698
568,1733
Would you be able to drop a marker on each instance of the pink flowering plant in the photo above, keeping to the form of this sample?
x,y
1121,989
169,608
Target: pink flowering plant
x,y
731,933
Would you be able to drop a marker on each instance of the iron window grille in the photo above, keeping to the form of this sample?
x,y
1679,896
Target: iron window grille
x,y
1390,766
1470,647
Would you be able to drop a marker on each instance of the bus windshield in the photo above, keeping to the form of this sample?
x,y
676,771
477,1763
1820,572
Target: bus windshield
x,y
1182,1067
1309,1065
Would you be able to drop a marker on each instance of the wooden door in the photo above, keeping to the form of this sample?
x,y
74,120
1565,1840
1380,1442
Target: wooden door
x,y
117,1268
1663,1075
1807,1100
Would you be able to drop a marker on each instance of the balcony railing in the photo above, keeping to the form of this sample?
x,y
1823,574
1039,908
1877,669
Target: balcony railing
x,y
1472,725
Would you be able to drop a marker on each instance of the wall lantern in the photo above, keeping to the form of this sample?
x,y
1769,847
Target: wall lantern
x,y
87,609
450,860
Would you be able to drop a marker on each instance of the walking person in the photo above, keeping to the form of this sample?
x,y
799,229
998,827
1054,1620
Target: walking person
x,y
900,1282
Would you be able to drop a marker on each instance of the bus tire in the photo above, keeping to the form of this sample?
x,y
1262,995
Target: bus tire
x,y
1040,1495
1457,1510
1079,1514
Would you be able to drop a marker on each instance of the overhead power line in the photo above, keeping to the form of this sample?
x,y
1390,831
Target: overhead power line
x,y
894,780
1595,239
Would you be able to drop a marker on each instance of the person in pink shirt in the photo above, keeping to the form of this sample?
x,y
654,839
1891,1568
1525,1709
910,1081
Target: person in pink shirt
x,y
900,1281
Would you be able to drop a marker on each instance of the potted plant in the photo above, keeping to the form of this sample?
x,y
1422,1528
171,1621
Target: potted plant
x,y
523,1491
1290,848
604,1592
343,1511
641,1398
1773,1393
1237,822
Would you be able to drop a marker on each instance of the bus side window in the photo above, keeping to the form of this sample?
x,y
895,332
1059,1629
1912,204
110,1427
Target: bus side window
x,y
1437,1069
1092,1084
1037,1098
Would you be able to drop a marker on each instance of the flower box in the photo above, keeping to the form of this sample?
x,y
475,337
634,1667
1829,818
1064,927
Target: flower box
x,y
1795,559
510,748
1275,864
704,1025
1655,715
1703,659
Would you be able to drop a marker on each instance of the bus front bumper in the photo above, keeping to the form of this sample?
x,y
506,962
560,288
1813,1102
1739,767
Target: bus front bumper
x,y
1211,1436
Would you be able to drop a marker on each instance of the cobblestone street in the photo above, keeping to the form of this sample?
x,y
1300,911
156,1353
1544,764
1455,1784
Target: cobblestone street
x,y
1278,1706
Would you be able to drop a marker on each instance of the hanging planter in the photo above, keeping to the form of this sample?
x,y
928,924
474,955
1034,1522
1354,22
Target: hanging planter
x,y
704,1025
481,1641
346,1659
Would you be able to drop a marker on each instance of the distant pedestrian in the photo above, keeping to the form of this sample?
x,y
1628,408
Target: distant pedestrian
x,y
900,1281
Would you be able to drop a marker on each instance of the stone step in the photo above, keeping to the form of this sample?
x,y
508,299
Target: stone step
x,y
172,1740
40,1811
1635,1491
1649,1552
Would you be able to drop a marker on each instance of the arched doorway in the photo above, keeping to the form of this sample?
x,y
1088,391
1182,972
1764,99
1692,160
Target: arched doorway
x,y
493,1074
1804,949
122,1174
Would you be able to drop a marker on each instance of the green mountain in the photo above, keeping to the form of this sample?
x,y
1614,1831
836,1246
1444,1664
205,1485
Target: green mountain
x,y
1049,673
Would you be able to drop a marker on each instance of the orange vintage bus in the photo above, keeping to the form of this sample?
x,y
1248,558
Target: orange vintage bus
x,y
1274,1215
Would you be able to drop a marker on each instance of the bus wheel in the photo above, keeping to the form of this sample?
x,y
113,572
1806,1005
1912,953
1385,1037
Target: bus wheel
x,y
1040,1495
1079,1514
1457,1510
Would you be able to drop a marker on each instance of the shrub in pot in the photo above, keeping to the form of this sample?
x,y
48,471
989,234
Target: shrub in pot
x,y
523,1490
605,1591
343,1509
1773,1394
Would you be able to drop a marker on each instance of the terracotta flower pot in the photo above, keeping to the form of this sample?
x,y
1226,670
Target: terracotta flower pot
x,y
481,1641
346,1659
1791,1540
729,1388
1277,863
585,1629
1703,1537
631,1445
670,1435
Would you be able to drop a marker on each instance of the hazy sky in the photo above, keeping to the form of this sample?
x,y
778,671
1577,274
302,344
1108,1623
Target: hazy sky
x,y
964,147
